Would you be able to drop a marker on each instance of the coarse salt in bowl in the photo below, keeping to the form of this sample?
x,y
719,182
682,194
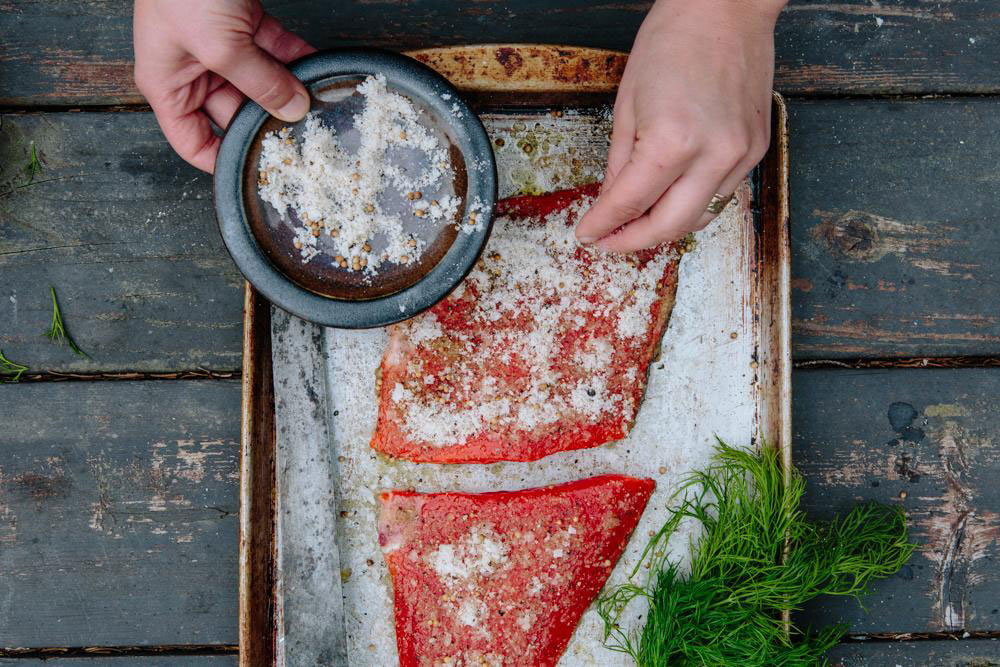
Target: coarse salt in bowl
x,y
371,209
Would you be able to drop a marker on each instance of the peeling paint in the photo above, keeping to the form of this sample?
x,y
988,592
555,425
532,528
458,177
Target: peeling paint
x,y
957,534
946,410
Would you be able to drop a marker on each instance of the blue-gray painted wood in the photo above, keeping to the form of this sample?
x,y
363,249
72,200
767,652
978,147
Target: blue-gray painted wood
x,y
924,439
118,513
895,232
125,232
67,52
950,653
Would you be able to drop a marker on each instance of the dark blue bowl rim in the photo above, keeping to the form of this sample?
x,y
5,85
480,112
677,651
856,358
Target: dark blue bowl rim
x,y
415,79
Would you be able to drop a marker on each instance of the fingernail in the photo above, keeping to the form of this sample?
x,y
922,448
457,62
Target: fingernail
x,y
296,109
586,240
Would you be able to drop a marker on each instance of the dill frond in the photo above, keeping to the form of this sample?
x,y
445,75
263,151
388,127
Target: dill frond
x,y
757,556
57,331
34,166
10,371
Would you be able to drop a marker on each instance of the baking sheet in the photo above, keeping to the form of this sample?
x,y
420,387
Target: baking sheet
x,y
706,384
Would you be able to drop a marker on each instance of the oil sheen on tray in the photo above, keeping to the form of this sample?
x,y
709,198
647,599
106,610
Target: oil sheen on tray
x,y
544,348
502,577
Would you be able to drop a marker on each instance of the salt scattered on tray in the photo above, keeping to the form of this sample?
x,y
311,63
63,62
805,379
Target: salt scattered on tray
x,y
337,194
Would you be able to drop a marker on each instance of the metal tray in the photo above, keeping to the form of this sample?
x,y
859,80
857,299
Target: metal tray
x,y
313,586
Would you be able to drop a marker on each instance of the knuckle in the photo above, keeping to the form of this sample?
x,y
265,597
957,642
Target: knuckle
x,y
141,80
676,140
724,159
276,94
758,147
218,57
627,210
737,142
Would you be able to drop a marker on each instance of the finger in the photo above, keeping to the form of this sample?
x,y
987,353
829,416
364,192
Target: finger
x,y
622,142
637,187
261,78
191,136
675,214
729,184
280,43
221,104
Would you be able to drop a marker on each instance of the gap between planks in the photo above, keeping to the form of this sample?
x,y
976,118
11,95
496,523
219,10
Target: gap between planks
x,y
236,374
196,374
231,649
901,362
789,97
119,651
887,637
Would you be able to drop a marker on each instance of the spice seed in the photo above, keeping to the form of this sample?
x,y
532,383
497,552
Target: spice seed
x,y
420,213
366,247
412,243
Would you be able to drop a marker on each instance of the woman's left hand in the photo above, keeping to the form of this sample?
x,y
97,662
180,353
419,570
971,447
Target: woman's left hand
x,y
692,117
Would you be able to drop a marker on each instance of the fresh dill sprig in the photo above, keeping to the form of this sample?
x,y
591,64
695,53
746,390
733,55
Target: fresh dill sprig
x,y
10,371
34,166
57,332
758,555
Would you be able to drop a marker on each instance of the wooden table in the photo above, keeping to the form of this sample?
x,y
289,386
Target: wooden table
x,y
118,474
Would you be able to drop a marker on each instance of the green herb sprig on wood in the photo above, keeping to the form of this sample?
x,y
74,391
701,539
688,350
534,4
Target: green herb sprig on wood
x,y
57,331
757,556
9,370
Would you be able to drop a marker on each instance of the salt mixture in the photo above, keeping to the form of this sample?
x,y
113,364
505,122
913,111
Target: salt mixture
x,y
337,194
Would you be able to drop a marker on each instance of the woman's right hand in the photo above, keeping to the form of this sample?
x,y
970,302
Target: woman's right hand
x,y
198,60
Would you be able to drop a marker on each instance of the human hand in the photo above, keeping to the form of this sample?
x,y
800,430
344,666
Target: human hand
x,y
692,118
196,59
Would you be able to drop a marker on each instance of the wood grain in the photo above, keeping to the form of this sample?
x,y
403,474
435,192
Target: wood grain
x,y
118,504
964,653
895,228
926,440
64,52
125,232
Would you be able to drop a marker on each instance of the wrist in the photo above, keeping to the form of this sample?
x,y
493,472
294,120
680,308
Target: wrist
x,y
743,15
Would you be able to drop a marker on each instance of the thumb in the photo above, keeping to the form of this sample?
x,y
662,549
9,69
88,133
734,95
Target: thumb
x,y
263,79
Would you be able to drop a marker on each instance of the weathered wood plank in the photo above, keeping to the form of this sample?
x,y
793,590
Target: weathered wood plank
x,y
892,238
925,439
68,52
118,504
964,653
894,228
127,661
125,232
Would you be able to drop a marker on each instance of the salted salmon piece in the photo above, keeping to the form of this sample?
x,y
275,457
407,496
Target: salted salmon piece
x,y
545,347
502,578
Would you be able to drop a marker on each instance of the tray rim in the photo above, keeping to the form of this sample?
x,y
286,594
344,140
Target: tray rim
x,y
542,70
